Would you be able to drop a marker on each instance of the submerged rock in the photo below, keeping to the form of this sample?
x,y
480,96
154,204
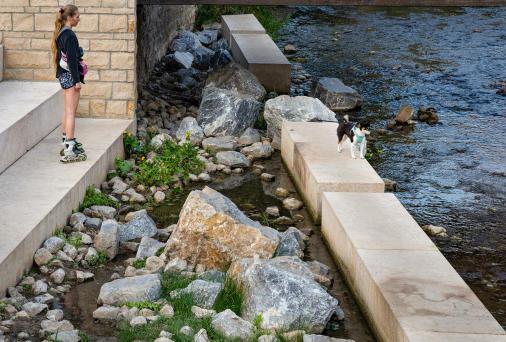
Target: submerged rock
x,y
299,108
428,115
213,232
405,114
337,96
284,292
434,230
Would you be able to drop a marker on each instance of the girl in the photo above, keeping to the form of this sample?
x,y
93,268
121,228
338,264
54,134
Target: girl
x,y
70,71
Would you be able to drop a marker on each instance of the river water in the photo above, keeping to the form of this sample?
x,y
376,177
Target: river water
x,y
452,174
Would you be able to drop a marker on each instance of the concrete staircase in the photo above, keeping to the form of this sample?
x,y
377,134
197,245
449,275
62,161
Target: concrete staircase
x,y
37,192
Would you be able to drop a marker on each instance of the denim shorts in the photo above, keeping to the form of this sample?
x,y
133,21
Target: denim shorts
x,y
66,80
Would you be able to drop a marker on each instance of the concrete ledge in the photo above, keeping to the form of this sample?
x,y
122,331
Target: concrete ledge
x,y
309,150
406,287
240,23
38,193
259,54
29,111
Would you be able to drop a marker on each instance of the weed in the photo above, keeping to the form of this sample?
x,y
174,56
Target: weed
x,y
145,305
123,167
132,145
160,251
230,297
100,259
265,220
27,288
139,263
75,241
83,336
94,197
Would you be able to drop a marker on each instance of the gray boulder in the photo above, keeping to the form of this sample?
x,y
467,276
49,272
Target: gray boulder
x,y
33,309
208,36
189,124
225,112
232,326
337,96
232,159
101,211
249,137
218,144
53,244
289,246
185,41
148,247
299,108
220,58
184,58
204,293
107,240
202,58
141,225
237,79
284,292
258,150
132,289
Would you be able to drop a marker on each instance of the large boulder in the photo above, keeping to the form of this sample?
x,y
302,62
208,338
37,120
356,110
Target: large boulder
x,y
107,240
190,126
213,232
226,112
131,289
141,225
235,78
335,95
299,108
284,292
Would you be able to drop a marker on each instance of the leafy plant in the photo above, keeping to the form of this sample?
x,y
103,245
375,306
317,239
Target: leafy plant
x,y
139,263
132,145
173,160
100,259
74,240
123,167
93,197
145,305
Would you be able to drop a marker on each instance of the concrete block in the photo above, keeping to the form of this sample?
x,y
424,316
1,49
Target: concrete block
x,y
38,193
26,120
259,54
309,150
240,23
1,62
404,284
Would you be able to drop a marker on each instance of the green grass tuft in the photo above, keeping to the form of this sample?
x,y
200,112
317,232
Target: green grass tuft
x,y
93,197
145,305
231,297
139,263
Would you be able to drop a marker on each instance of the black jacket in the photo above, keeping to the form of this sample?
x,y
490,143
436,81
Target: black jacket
x,y
67,41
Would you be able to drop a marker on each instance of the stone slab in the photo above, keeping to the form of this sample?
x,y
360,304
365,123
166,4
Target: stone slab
x,y
38,193
1,62
26,120
240,23
407,288
259,54
309,151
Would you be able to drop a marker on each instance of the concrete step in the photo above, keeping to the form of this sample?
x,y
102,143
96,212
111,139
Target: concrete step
x,y
309,150
38,193
240,23
408,290
1,62
29,111
258,53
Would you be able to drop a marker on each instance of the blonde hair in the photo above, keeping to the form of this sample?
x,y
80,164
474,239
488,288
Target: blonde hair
x,y
61,18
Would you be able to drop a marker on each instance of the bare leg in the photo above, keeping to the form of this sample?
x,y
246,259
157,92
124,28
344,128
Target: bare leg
x,y
363,149
339,147
71,101
352,150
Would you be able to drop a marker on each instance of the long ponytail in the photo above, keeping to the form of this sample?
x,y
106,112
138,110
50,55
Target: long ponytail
x,y
61,19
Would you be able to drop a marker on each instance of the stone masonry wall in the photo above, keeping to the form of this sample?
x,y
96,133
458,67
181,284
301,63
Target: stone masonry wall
x,y
107,32
157,26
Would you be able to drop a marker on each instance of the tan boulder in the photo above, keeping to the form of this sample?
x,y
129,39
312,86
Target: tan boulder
x,y
213,232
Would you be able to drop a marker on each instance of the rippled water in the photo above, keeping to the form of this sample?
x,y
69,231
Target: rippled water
x,y
452,174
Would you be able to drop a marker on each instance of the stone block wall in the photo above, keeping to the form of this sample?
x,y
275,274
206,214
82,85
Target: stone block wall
x,y
157,26
107,32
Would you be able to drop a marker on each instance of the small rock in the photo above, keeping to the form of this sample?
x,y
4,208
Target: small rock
x,y
390,185
39,287
23,336
267,177
107,313
201,313
321,338
204,292
434,230
290,48
107,240
428,115
129,217
232,159
272,211
154,264
77,218
44,299
42,256
134,196
258,150
33,309
148,247
232,326
249,137
281,192
146,312
66,336
83,276
165,334
55,315
86,239
267,338
218,144
405,114
53,244
201,336
292,204
186,330
93,223
49,326
159,139
91,255
204,177
176,265
159,197
138,321
101,211
57,276
70,250
167,311
283,220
